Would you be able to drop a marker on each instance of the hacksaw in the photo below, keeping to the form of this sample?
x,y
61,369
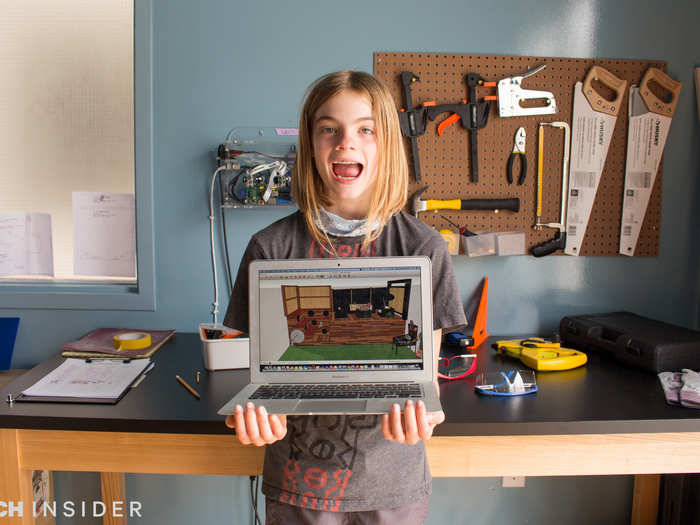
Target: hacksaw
x,y
649,122
593,123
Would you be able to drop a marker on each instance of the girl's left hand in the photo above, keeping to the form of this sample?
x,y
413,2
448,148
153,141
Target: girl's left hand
x,y
415,425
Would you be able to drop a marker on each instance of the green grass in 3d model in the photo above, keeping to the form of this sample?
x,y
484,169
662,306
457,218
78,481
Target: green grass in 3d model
x,y
346,352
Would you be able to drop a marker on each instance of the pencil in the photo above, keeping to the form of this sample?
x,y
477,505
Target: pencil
x,y
188,387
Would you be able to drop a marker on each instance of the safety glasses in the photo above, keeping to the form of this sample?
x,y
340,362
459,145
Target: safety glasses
x,y
507,383
457,366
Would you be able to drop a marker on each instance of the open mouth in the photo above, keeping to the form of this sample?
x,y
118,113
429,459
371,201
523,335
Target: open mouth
x,y
346,170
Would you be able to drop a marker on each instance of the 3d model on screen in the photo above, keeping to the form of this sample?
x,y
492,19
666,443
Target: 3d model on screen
x,y
322,315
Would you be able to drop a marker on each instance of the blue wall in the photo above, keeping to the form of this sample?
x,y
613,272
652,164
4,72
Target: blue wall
x,y
220,64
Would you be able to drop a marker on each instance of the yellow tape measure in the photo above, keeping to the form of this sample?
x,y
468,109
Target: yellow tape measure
x,y
540,354
132,341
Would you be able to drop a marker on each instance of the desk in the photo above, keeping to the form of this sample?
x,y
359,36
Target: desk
x,y
599,419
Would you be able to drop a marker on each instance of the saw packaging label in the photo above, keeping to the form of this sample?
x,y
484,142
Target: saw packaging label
x,y
590,138
645,145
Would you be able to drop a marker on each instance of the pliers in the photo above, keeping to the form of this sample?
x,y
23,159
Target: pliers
x,y
518,150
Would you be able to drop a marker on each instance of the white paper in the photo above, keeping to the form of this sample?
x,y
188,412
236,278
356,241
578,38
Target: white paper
x,y
104,233
98,379
591,133
646,139
25,244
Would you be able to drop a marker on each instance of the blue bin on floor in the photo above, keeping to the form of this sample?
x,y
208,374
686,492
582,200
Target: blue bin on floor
x,y
8,333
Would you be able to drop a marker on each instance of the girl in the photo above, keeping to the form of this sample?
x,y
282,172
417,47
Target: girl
x,y
350,183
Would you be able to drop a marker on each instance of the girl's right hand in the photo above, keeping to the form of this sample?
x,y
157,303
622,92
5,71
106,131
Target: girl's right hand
x,y
255,426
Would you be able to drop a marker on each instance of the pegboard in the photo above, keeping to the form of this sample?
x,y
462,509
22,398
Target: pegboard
x,y
445,163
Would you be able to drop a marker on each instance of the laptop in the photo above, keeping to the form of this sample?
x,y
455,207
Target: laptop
x,y
340,336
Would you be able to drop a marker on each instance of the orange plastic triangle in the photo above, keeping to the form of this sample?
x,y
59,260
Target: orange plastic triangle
x,y
479,333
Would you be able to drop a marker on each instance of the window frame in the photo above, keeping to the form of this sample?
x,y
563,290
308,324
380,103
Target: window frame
x,y
105,296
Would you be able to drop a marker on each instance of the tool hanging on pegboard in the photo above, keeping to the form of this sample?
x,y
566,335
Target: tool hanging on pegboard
x,y
518,151
412,120
446,156
594,118
463,230
559,240
649,121
473,114
495,205
511,96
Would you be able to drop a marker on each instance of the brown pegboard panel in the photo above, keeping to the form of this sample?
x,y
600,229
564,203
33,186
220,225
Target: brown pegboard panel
x,y
445,162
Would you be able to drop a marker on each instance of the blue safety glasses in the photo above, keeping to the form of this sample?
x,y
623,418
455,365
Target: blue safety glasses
x,y
507,383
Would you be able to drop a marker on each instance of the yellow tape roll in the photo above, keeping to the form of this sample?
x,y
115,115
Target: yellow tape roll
x,y
452,240
132,341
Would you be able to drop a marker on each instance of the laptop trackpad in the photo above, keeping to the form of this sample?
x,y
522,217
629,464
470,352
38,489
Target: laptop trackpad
x,y
318,406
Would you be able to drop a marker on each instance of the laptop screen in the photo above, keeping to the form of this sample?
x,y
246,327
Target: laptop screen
x,y
364,318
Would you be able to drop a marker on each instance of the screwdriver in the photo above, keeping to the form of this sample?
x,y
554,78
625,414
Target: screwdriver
x,y
462,230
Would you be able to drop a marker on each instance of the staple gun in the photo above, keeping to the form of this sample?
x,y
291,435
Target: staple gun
x,y
540,354
511,94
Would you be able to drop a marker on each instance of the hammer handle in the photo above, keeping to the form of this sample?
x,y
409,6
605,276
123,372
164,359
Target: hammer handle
x,y
512,204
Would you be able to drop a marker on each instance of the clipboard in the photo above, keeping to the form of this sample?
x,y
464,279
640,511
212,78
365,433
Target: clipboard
x,y
91,381
48,399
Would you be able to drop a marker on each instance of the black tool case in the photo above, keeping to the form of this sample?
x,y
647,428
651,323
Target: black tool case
x,y
634,340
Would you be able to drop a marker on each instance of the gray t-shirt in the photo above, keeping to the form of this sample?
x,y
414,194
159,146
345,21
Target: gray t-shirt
x,y
344,463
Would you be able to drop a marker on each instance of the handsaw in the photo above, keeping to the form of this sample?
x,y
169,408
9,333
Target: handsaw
x,y
649,122
592,128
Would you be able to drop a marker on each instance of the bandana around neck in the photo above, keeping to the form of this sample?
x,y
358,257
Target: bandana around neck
x,y
337,226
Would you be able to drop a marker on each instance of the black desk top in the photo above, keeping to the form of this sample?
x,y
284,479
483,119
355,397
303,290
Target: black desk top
x,y
601,397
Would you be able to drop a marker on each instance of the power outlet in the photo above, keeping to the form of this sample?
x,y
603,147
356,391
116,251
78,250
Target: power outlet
x,y
513,481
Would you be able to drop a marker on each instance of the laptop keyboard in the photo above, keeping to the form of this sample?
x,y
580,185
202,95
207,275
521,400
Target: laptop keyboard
x,y
338,391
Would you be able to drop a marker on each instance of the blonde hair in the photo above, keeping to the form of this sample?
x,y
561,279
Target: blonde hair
x,y
390,190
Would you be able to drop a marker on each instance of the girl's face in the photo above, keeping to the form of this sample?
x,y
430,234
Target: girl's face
x,y
345,153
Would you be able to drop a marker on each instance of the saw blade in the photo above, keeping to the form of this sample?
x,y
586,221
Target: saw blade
x,y
646,139
591,134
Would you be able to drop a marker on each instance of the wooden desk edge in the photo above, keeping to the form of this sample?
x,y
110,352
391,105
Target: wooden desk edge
x,y
644,455
449,456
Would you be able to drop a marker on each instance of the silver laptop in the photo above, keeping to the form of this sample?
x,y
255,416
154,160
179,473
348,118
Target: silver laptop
x,y
340,336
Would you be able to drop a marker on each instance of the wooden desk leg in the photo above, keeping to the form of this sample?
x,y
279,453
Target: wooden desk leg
x,y
114,489
15,483
645,499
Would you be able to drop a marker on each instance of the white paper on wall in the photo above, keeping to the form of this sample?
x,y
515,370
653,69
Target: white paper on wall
x,y
104,230
25,244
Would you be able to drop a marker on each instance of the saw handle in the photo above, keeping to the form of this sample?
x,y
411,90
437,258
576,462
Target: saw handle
x,y
550,246
653,102
605,77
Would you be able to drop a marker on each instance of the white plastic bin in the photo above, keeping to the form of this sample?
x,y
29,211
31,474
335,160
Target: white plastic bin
x,y
224,354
